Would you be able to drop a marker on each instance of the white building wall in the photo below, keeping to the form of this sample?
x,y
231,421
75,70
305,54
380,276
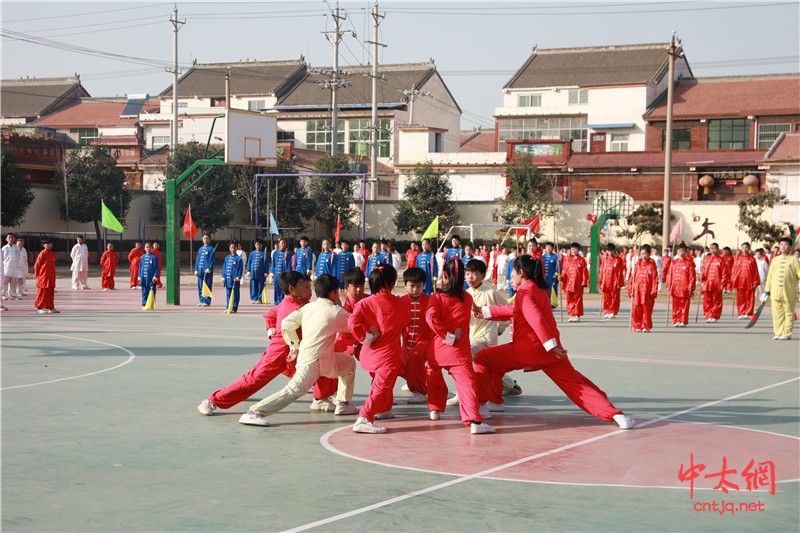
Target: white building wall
x,y
619,105
785,178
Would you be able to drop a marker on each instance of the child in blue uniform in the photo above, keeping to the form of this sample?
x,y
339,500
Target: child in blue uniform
x,y
281,262
325,260
258,269
148,273
204,269
232,270
426,261
304,258
456,250
376,258
343,262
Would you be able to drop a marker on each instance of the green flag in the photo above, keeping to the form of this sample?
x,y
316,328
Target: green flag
x,y
433,230
109,221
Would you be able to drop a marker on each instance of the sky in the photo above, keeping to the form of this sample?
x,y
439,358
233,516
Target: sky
x,y
121,48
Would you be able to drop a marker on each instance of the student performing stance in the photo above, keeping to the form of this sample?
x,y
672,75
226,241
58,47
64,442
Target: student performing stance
x,y
643,291
681,283
417,336
536,345
321,320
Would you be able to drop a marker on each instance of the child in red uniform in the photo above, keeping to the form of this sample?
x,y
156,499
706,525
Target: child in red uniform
x,y
109,263
574,277
45,271
157,253
643,290
134,257
536,345
448,315
611,277
745,279
681,281
377,322
297,288
417,336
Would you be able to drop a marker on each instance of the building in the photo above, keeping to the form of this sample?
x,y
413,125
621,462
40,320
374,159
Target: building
x,y
782,164
23,101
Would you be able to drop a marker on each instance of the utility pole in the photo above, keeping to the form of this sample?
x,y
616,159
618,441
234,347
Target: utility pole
x,y
674,51
374,129
335,82
228,89
176,26
409,96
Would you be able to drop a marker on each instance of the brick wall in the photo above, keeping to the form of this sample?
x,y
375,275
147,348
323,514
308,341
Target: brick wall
x,y
642,187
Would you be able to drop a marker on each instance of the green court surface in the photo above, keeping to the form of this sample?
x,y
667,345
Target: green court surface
x,y
100,432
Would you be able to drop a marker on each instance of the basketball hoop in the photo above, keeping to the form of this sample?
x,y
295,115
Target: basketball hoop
x,y
612,204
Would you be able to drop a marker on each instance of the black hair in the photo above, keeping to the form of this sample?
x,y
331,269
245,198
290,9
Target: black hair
x,y
384,242
682,246
455,237
382,277
476,265
259,241
235,243
290,278
324,285
9,233
533,268
354,276
344,241
610,247
414,275
646,248
574,245
207,234
533,240
304,238
45,240
727,248
550,244
454,269
423,240
787,240
747,243
77,237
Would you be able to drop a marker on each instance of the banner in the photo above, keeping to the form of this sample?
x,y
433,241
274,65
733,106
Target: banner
x,y
108,220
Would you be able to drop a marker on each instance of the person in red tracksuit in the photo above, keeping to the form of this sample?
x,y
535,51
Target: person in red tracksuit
x,y
536,345
643,290
377,323
448,315
666,260
611,277
417,335
745,279
45,271
574,277
681,280
109,262
727,256
134,257
714,276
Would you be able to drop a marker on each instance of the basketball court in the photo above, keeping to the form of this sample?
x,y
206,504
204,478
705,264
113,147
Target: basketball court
x,y
101,432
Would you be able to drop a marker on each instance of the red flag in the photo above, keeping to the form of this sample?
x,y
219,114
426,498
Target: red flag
x,y
339,228
676,231
189,229
534,225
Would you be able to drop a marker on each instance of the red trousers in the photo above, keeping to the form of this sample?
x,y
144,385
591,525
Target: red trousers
x,y
746,301
642,313
611,302
680,310
574,303
414,372
466,387
712,304
265,370
134,279
45,298
107,281
381,393
491,363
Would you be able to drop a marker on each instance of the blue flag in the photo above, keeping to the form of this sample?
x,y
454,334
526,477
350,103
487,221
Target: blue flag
x,y
273,226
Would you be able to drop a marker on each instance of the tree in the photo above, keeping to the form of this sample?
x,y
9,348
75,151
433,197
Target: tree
x,y
16,191
290,203
750,221
92,176
332,196
426,196
648,218
530,193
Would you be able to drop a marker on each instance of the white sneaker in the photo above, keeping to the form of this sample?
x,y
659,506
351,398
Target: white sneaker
x,y
741,317
363,425
783,338
776,337
433,415
324,404
206,408
484,412
405,388
712,320
577,319
44,312
624,421
417,397
251,418
645,331
480,429
452,401
346,408
386,415
516,390
496,407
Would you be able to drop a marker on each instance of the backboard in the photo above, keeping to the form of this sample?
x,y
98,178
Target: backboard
x,y
786,214
613,204
251,138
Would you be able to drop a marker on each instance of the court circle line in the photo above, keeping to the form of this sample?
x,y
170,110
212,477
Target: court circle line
x,y
131,357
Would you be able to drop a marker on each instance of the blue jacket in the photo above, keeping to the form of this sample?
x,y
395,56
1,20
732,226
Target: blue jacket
x,y
303,260
325,263
342,263
205,260
281,262
148,269
258,264
232,270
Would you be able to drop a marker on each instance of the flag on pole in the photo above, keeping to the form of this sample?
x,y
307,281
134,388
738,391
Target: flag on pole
x,y
108,220
189,229
264,295
230,304
534,226
273,225
553,298
339,228
676,231
206,292
150,304
433,230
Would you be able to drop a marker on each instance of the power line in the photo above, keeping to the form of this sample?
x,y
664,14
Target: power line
x,y
148,6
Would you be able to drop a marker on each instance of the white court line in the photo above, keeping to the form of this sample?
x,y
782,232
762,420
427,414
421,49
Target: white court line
x,y
149,332
684,363
486,472
131,357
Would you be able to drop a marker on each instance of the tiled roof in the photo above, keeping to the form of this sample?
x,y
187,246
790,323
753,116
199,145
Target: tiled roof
x,y
89,114
32,97
786,148
656,159
477,141
591,66
253,78
740,96
118,140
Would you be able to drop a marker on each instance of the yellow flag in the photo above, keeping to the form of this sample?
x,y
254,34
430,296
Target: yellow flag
x,y
264,295
433,230
553,298
151,301
206,291
230,304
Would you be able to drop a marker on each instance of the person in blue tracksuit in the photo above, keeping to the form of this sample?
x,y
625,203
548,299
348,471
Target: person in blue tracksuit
x,y
258,268
232,272
204,269
343,262
325,261
511,291
456,250
376,258
148,272
469,255
304,258
551,266
281,262
426,260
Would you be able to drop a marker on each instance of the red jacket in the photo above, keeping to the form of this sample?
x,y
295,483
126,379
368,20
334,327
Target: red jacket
x,y
681,278
109,261
744,274
714,273
386,312
45,270
411,258
345,342
611,274
574,274
134,257
667,260
728,259
445,314
643,281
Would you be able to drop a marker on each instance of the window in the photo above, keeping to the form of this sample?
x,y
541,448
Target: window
x,y
590,194
619,142
359,137
728,134
85,135
218,102
578,97
681,139
318,135
256,105
529,100
767,133
158,141
438,142
560,128
285,136
384,188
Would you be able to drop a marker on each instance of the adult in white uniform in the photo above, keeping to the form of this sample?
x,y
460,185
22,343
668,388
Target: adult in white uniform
x,y
22,267
80,265
10,260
